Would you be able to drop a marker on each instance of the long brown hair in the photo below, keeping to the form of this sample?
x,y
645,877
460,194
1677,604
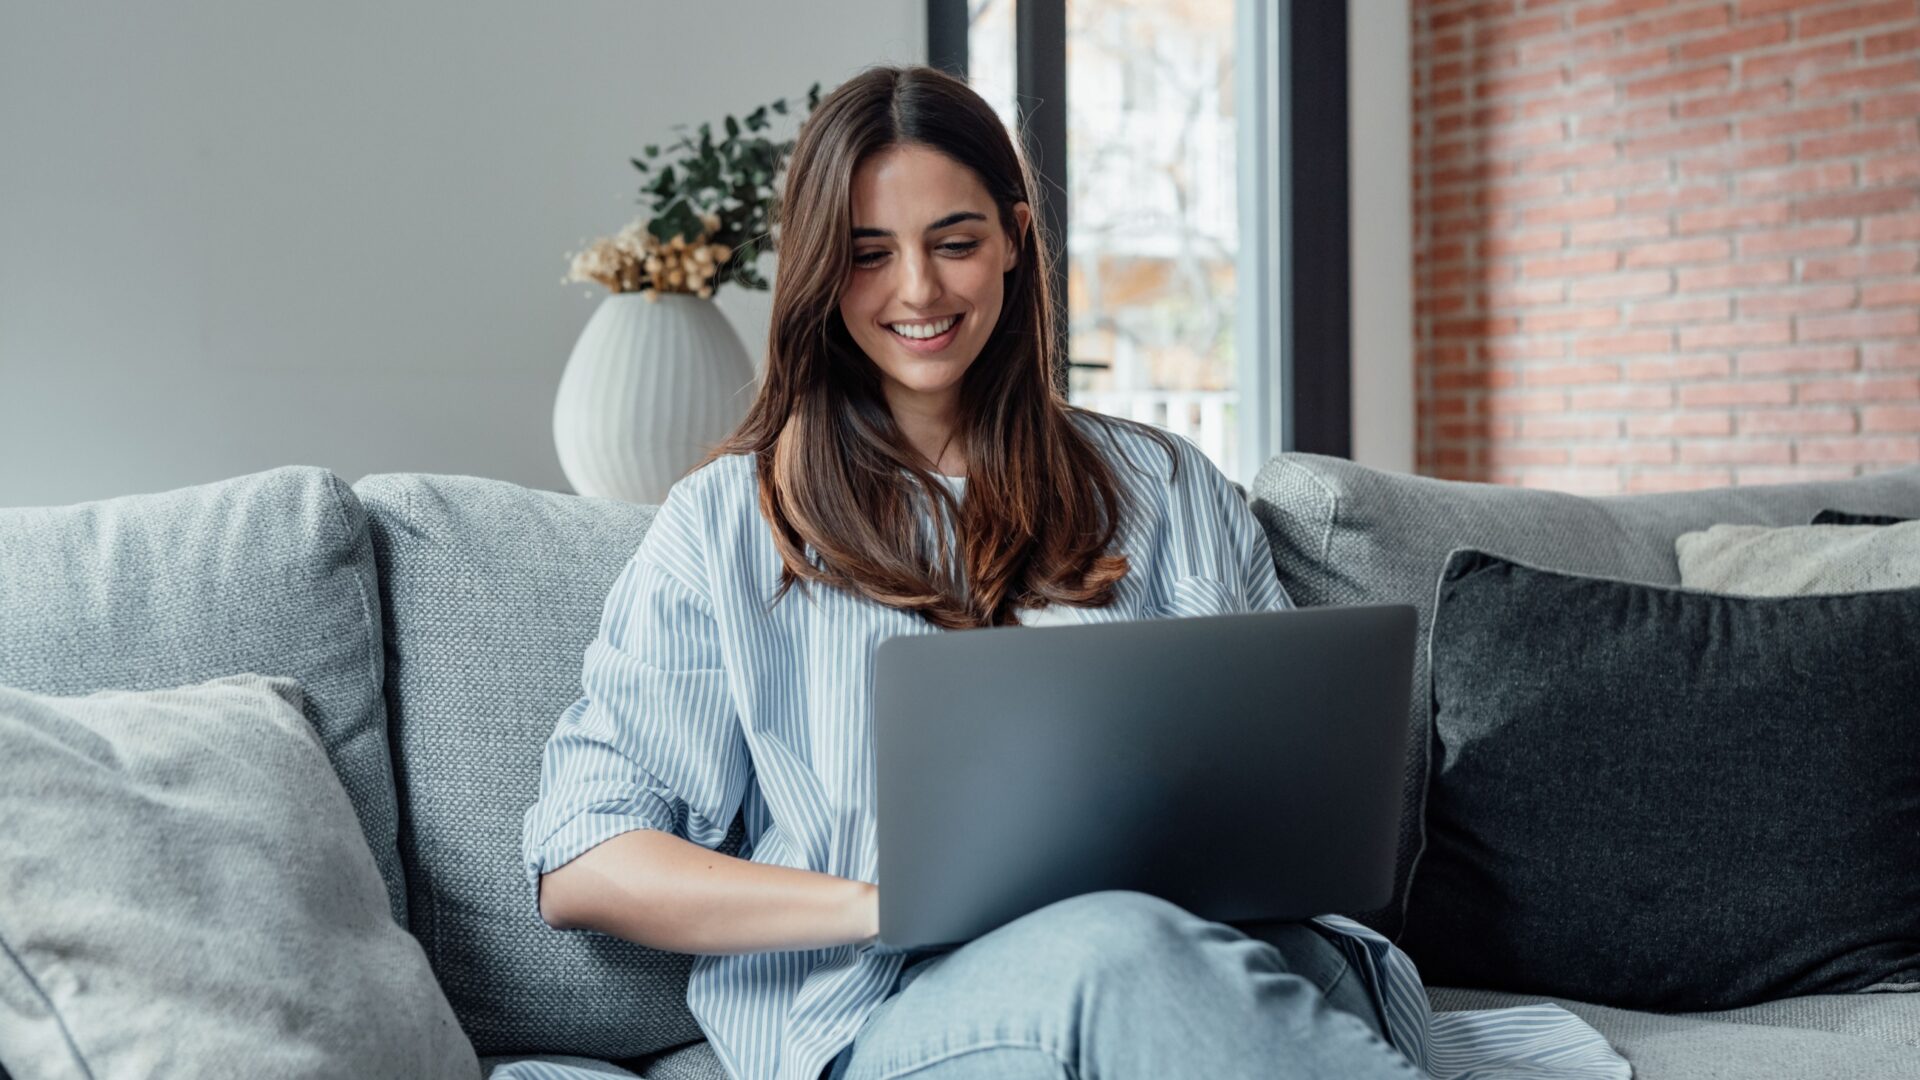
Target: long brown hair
x,y
835,472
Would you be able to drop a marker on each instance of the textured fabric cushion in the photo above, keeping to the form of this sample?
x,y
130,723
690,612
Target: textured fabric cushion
x,y
185,891
1799,560
1654,798
271,573
492,592
1823,1037
1346,534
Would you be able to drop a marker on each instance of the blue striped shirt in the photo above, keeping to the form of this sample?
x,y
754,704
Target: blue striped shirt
x,y
699,703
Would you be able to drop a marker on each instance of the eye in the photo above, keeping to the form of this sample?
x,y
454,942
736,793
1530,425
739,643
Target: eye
x,y
871,258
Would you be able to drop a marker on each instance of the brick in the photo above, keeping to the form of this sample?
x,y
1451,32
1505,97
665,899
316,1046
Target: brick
x,y
1771,392
1891,169
1853,80
1858,325
1553,322
1621,121
1502,86
1862,141
1497,454
1750,99
1681,82
1784,361
1791,474
1857,204
1687,139
1677,368
1890,294
1524,294
1706,309
1896,449
1868,388
1897,42
1612,66
1849,17
1504,404
1624,454
1736,334
1516,191
1598,262
1739,452
1715,423
1571,102
1569,427
1892,229
1620,398
1572,374
1644,341
1501,245
1892,354
1572,157
1615,286
1703,249
1679,480
1614,9
1890,106
1680,22
1797,301
1798,422
1743,157
1878,418
1832,176
1795,63
1749,216
1744,40
1510,30
1633,174
1774,124
1619,228
1572,210
1853,266
1476,327
1810,238
1732,275
1674,198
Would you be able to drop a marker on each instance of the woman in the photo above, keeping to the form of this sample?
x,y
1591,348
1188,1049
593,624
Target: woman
x,y
909,468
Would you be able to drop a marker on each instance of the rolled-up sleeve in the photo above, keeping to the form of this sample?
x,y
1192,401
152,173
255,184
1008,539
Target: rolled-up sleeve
x,y
654,740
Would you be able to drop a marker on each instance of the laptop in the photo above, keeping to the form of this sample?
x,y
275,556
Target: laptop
x,y
1248,767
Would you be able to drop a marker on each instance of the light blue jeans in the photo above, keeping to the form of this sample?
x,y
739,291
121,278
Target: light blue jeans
x,y
1120,984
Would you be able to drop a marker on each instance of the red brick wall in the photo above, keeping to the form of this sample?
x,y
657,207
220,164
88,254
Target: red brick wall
x,y
1662,244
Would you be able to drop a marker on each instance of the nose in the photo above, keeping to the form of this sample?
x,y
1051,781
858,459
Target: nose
x,y
919,281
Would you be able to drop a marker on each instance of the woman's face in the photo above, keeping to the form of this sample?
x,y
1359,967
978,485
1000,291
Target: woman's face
x,y
928,250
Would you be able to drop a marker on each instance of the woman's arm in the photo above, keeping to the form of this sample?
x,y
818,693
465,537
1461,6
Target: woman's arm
x,y
656,889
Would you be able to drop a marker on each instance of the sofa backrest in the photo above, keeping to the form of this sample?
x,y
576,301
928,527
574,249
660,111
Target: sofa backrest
x,y
491,593
1346,534
270,573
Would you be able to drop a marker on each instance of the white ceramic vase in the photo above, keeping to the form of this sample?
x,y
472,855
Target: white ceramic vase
x,y
649,388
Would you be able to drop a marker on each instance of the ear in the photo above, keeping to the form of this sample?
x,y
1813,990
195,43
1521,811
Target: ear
x,y
1023,219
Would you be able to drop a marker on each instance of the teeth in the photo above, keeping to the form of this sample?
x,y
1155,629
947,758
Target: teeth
x,y
923,331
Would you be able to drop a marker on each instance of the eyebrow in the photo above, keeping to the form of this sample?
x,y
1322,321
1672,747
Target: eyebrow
x,y
950,219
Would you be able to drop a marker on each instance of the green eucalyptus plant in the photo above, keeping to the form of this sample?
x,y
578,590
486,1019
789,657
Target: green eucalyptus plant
x,y
712,208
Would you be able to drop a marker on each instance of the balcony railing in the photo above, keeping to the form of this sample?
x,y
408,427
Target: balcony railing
x,y
1200,415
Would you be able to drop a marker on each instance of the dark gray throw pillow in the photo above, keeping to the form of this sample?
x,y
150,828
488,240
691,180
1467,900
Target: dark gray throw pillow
x,y
1652,797
1842,517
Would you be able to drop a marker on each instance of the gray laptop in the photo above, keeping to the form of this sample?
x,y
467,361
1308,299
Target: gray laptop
x,y
1247,767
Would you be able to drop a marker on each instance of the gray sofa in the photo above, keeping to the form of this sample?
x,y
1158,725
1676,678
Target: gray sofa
x,y
438,624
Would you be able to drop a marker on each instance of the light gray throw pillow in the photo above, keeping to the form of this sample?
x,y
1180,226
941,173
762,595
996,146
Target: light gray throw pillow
x,y
1800,560
185,891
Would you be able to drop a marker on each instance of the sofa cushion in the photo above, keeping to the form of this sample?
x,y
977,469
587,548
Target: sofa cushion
x,y
1346,534
492,592
185,891
1820,1037
1723,790
271,573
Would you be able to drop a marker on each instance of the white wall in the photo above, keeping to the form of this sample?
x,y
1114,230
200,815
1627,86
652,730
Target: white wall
x,y
1380,90
236,235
